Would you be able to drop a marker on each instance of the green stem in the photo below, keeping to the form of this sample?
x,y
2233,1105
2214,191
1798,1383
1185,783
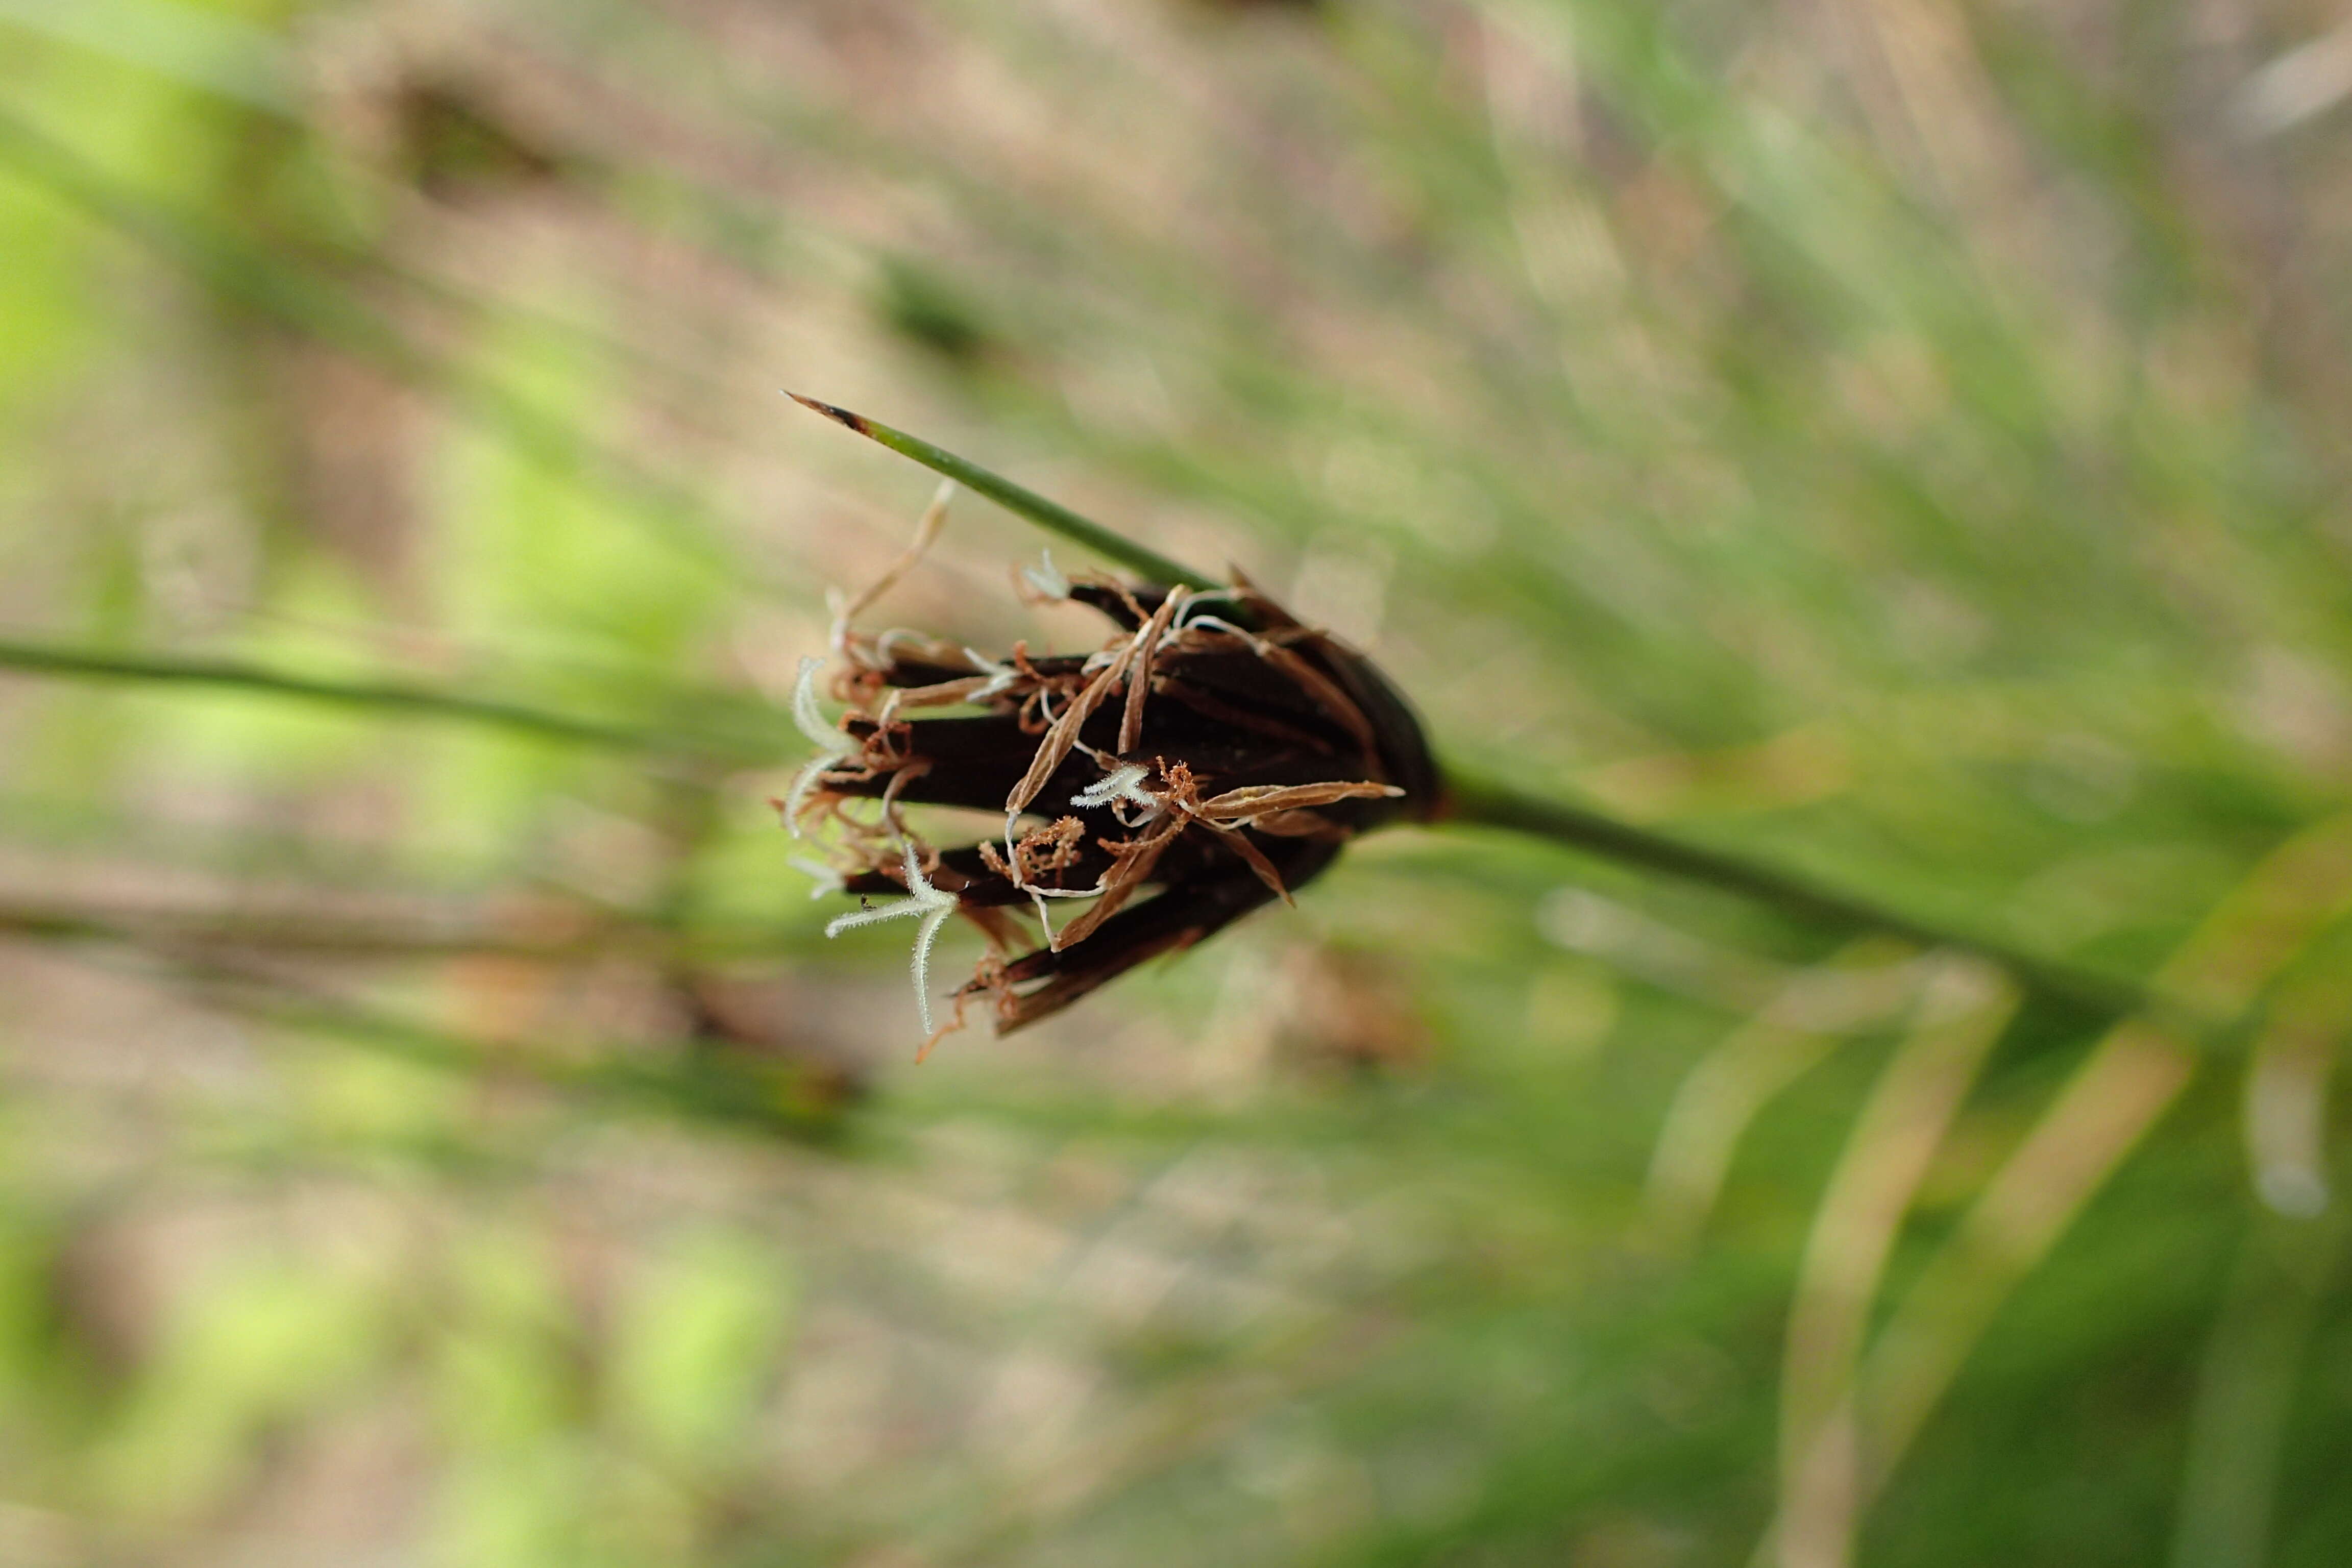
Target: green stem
x,y
377,695
1476,802
1022,501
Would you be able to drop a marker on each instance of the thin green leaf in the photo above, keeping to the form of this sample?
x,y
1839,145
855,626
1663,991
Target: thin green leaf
x,y
87,664
1022,501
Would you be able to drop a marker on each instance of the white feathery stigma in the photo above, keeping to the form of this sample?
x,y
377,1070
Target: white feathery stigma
x,y
832,745
925,901
1124,782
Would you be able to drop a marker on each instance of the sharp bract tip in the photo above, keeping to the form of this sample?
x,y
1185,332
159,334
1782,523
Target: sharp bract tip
x,y
838,415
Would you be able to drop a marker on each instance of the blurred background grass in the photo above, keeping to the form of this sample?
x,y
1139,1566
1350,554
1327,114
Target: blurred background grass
x,y
1904,441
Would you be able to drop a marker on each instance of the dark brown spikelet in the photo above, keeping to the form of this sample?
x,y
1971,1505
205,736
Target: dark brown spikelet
x,y
1212,756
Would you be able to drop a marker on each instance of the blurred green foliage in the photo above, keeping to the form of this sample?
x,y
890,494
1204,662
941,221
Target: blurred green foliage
x,y
1901,442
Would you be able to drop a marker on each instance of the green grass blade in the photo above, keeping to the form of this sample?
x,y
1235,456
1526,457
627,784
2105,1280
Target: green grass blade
x,y
87,664
1022,501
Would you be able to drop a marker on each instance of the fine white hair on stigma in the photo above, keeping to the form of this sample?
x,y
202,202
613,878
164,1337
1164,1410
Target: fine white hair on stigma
x,y
932,906
1124,782
831,744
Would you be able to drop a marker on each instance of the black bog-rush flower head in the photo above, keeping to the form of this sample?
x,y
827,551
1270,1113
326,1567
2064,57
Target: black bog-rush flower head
x,y
1213,756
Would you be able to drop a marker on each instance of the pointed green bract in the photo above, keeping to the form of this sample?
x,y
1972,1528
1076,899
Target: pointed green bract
x,y
1022,501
